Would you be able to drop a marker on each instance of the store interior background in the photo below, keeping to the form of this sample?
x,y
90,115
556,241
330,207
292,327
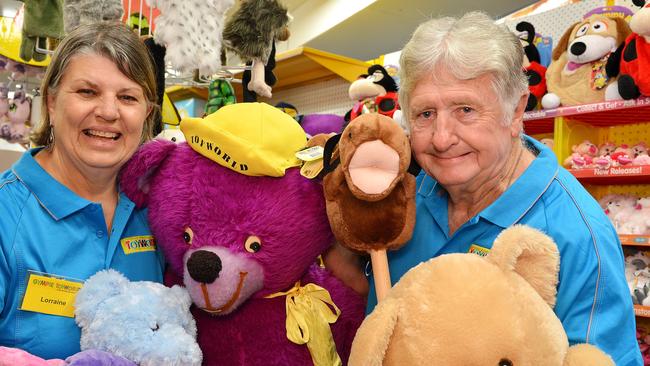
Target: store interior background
x,y
359,29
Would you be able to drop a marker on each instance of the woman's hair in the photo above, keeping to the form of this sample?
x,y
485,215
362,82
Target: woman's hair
x,y
467,48
114,41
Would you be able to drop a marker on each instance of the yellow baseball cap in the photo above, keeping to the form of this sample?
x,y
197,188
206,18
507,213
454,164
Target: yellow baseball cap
x,y
250,138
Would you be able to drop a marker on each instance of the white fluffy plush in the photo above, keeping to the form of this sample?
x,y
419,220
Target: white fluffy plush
x,y
145,322
191,31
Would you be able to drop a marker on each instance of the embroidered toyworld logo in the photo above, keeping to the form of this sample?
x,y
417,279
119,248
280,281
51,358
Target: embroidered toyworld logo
x,y
136,244
213,149
478,250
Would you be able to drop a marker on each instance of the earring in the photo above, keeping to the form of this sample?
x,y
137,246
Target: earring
x,y
50,139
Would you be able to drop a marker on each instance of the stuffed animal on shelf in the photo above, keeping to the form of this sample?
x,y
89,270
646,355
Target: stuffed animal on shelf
x,y
631,62
78,12
191,32
535,71
14,127
154,328
462,321
375,91
243,235
251,33
582,156
577,73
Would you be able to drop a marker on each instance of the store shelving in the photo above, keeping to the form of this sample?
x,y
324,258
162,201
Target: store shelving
x,y
642,311
635,240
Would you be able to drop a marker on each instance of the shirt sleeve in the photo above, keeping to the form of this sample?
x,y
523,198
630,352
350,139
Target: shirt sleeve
x,y
593,300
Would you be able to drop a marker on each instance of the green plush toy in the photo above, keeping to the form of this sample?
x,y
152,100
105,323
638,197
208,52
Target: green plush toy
x,y
220,94
42,19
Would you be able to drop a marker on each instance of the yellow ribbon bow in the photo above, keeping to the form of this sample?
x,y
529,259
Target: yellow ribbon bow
x,y
310,311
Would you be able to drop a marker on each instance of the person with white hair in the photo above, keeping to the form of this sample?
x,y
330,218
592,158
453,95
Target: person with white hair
x,y
463,92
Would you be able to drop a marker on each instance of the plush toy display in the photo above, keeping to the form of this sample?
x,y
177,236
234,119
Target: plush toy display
x,y
577,73
369,193
439,311
632,60
375,91
535,72
191,37
242,229
142,321
78,12
251,32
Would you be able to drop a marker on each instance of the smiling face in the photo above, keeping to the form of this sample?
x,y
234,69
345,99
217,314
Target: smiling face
x,y
97,113
458,134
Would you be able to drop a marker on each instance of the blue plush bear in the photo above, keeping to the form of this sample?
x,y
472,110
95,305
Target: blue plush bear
x,y
145,322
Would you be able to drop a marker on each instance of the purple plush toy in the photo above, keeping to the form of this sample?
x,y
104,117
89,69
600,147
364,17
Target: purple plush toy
x,y
313,124
233,240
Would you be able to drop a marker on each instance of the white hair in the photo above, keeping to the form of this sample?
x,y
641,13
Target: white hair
x,y
468,47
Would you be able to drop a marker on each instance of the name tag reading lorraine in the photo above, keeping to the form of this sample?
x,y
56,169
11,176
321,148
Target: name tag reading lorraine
x,y
50,295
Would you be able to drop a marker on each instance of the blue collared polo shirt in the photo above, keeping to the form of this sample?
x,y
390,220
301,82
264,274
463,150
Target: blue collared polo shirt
x,y
46,227
593,299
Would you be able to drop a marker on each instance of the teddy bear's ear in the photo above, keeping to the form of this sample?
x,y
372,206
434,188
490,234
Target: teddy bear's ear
x,y
374,335
530,253
99,287
182,296
138,171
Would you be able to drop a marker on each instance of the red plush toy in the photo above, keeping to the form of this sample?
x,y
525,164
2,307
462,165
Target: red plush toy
x,y
632,60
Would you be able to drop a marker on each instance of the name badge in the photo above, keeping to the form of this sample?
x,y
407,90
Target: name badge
x,y
137,244
478,250
49,294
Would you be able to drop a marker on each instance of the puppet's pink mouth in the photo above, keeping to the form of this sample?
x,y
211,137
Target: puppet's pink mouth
x,y
573,66
374,166
208,306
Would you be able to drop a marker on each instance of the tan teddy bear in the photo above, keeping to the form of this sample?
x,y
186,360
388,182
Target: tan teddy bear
x,y
463,309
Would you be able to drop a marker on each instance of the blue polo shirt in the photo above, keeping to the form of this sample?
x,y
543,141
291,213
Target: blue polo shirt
x,y
593,299
45,227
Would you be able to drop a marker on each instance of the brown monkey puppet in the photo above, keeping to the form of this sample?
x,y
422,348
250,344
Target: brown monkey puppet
x,y
369,193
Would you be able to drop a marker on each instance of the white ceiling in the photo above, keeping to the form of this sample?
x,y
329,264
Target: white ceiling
x,y
386,25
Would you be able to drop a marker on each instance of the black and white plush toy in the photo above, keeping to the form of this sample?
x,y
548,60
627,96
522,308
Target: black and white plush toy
x,y
191,32
250,33
78,12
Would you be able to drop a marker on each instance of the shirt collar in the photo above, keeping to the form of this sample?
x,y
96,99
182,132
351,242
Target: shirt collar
x,y
514,203
58,200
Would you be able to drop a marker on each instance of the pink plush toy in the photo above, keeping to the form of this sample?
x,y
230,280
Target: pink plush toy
x,y
583,155
14,128
246,249
623,155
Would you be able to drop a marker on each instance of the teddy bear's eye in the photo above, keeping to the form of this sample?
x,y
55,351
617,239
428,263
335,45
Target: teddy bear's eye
x,y
505,362
253,244
188,234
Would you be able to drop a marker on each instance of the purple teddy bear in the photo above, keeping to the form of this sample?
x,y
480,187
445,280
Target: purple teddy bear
x,y
234,239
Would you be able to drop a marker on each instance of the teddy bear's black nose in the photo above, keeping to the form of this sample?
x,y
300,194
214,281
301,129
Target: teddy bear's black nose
x,y
204,266
578,48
